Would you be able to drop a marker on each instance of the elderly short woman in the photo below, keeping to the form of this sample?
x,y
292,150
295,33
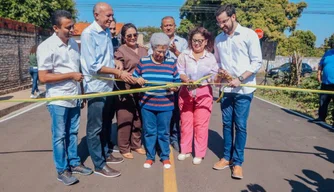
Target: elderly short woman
x,y
157,105
196,102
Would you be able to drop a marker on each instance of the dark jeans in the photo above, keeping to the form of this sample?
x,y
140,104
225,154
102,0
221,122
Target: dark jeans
x,y
34,76
325,99
99,122
235,111
156,130
175,121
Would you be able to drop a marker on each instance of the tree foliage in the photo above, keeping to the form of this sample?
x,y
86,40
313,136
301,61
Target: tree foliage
x,y
273,16
148,31
37,12
329,42
301,41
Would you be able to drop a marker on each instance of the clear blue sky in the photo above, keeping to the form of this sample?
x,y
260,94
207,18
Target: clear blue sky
x,y
321,23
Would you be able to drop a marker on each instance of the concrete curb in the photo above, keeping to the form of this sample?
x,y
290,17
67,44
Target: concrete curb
x,y
8,110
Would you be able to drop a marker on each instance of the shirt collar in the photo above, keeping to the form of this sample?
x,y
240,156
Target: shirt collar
x,y
189,52
58,41
97,27
237,30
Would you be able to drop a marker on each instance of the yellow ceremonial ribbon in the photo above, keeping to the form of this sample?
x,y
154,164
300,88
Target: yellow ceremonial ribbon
x,y
167,85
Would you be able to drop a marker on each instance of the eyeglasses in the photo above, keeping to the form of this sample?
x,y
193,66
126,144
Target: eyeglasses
x,y
223,22
132,35
199,41
113,28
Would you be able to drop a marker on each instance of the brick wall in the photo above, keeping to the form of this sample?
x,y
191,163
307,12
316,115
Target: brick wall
x,y
16,39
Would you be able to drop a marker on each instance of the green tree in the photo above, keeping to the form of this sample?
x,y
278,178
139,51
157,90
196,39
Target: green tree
x,y
273,16
37,12
148,31
300,41
184,28
329,42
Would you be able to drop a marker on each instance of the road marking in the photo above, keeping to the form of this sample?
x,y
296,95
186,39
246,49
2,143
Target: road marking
x,y
294,112
20,113
170,184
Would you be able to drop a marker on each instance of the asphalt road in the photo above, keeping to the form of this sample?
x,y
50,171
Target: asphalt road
x,y
284,153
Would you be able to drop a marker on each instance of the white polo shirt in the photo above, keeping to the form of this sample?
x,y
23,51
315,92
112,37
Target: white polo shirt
x,y
59,58
239,53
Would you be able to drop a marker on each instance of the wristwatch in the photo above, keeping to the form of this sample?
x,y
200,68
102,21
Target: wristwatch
x,y
241,78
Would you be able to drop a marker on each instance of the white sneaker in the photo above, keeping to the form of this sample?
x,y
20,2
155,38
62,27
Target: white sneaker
x,y
147,166
33,96
167,166
38,93
197,160
182,156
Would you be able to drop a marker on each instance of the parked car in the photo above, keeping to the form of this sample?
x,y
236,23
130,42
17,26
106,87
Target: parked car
x,y
285,68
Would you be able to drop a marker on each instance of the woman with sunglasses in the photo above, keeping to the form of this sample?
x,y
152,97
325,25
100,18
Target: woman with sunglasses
x,y
127,106
195,101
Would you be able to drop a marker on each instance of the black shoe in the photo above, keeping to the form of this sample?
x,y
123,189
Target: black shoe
x,y
81,169
114,160
106,171
176,146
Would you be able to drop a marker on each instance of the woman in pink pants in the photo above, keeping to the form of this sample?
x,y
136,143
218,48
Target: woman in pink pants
x,y
195,102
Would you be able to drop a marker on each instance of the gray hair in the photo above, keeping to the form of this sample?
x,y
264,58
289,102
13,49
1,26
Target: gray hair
x,y
159,39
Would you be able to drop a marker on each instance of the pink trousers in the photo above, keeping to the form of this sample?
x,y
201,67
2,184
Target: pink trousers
x,y
195,109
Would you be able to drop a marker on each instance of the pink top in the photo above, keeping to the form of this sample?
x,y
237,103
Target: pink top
x,y
187,65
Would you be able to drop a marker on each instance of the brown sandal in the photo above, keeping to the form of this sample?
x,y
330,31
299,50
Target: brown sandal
x,y
127,155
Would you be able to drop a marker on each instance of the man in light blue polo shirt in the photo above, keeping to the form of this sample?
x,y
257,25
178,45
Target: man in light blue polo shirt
x,y
177,45
58,61
97,59
326,78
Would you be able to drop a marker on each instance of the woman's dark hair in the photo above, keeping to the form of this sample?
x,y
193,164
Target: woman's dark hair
x,y
205,33
125,28
33,49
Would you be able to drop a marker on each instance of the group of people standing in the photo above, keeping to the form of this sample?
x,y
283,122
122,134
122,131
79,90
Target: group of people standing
x,y
159,117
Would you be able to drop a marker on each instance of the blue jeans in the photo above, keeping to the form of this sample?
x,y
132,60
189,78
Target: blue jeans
x,y
64,127
175,121
99,122
34,76
156,126
235,111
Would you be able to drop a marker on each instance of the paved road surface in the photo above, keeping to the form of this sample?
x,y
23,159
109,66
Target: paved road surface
x,y
284,153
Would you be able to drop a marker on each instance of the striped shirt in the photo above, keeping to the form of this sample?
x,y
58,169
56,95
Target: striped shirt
x,y
166,72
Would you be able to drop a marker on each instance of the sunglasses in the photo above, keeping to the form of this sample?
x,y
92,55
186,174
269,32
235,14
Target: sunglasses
x,y
113,28
132,35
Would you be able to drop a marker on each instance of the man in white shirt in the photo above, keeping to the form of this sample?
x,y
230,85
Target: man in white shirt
x,y
97,59
59,68
239,57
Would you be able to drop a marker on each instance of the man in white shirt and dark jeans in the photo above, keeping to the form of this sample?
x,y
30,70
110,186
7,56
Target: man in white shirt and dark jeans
x,y
59,68
239,56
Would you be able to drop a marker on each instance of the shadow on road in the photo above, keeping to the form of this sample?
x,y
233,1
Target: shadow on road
x,y
215,143
312,178
301,116
27,151
83,152
5,98
254,188
284,151
328,154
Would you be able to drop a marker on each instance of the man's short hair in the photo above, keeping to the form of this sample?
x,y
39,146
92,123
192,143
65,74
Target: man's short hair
x,y
58,14
228,8
167,17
